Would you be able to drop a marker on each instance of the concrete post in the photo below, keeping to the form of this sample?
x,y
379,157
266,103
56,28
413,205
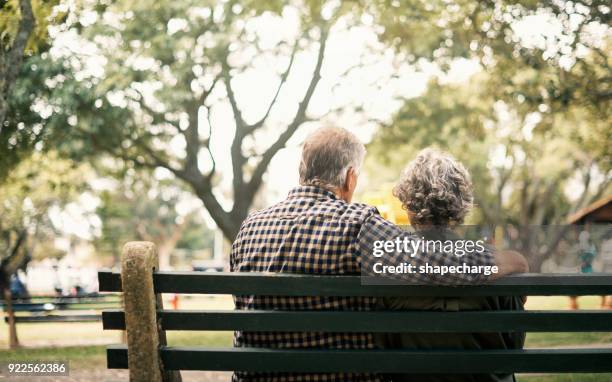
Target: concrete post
x,y
138,261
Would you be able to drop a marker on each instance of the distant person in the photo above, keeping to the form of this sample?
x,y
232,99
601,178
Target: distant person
x,y
587,253
19,290
57,282
436,192
317,230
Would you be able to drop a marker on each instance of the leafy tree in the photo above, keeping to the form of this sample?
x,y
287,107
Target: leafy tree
x,y
37,185
196,238
170,66
564,64
534,122
190,54
29,79
38,113
142,208
520,165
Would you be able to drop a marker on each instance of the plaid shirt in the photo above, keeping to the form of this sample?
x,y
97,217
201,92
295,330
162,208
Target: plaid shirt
x,y
314,232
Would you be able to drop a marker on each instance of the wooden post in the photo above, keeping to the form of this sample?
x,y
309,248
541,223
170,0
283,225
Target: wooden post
x,y
144,335
10,313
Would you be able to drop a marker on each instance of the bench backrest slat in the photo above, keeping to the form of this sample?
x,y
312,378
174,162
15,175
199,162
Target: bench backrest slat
x,y
58,318
378,361
382,322
308,285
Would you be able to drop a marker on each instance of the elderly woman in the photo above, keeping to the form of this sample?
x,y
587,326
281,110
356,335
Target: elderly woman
x,y
436,191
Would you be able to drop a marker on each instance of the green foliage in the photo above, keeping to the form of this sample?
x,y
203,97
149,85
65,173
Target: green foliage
x,y
439,116
31,191
196,236
40,86
534,119
522,162
46,109
517,161
567,68
43,13
142,208
167,63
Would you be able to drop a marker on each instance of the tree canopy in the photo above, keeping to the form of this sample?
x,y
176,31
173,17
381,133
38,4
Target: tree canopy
x,y
143,208
173,71
31,191
27,78
169,66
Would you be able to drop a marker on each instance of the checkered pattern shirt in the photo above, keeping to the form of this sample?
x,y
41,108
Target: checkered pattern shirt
x,y
314,232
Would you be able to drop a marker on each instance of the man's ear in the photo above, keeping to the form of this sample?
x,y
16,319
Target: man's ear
x,y
350,182
347,180
351,179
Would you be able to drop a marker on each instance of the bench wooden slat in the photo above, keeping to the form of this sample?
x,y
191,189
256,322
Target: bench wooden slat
x,y
58,318
109,281
63,307
85,306
309,285
377,361
54,297
383,322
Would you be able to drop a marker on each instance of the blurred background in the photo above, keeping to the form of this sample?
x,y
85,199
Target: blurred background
x,y
169,121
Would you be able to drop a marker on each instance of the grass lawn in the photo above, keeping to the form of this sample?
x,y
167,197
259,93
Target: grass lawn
x,y
94,356
79,356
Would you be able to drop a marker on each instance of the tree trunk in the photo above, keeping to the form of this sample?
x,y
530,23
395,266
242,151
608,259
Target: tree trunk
x,y
164,252
228,222
12,58
167,244
12,327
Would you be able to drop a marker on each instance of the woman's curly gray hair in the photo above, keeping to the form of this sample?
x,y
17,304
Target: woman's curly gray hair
x,y
435,188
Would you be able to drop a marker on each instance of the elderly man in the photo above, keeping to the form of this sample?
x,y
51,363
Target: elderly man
x,y
317,230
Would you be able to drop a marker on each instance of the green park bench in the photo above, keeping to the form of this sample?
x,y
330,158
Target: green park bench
x,y
54,309
149,358
40,309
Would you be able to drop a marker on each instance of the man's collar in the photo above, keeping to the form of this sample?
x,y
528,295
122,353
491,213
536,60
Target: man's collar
x,y
311,192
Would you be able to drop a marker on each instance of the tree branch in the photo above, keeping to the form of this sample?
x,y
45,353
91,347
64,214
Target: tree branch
x,y
206,93
586,183
298,119
157,116
192,140
283,79
192,134
227,79
238,158
207,145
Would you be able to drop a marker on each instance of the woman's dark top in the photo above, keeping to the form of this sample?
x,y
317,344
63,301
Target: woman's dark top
x,y
468,341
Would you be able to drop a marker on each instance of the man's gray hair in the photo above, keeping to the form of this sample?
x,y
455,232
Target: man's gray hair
x,y
436,188
327,155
